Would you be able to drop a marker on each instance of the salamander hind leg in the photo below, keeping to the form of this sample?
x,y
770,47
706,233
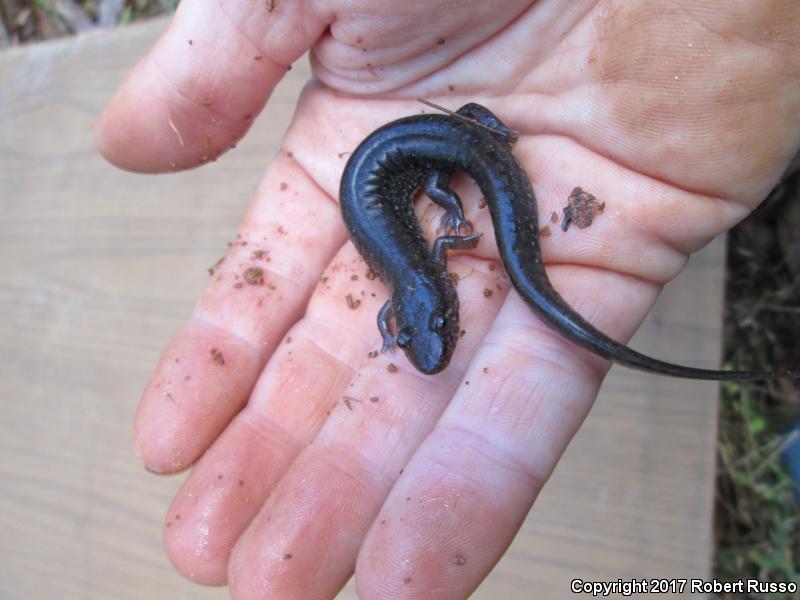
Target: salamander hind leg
x,y
385,316
453,242
437,186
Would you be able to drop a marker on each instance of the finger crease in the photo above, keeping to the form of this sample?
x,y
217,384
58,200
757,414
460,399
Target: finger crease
x,y
480,444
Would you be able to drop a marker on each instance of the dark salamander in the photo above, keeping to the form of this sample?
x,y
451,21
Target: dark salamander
x,y
379,183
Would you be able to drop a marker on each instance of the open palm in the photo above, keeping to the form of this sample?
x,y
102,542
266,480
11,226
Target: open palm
x,y
311,455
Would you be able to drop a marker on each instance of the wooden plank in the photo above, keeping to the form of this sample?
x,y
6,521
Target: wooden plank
x,y
99,269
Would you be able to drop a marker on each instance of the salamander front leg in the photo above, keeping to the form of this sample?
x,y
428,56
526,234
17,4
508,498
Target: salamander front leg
x,y
437,186
453,242
385,316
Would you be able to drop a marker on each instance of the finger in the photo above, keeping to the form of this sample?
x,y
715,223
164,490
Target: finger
x,y
199,88
256,292
466,491
301,385
304,541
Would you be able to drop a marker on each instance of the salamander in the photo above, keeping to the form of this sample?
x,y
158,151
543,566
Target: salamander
x,y
378,186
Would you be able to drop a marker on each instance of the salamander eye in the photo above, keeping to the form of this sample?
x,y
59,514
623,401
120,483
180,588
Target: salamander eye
x,y
404,337
438,322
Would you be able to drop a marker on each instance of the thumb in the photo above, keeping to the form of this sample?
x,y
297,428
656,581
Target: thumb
x,y
198,89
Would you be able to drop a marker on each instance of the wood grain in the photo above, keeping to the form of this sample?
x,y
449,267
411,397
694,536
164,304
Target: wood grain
x,y
100,267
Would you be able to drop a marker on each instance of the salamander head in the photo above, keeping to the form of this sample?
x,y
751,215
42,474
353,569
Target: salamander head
x,y
426,320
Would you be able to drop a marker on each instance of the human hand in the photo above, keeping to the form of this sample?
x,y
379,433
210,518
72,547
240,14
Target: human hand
x,y
679,118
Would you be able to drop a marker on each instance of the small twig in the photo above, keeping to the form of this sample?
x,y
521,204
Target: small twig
x,y
772,456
